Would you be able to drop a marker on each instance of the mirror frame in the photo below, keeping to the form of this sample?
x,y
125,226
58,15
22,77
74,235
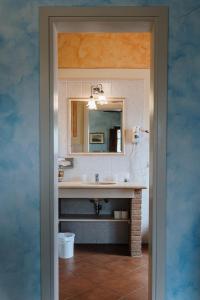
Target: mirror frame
x,y
69,101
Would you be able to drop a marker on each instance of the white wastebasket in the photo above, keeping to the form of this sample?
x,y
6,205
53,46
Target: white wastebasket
x,y
66,244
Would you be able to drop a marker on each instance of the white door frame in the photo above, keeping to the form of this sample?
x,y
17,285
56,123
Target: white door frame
x,y
158,18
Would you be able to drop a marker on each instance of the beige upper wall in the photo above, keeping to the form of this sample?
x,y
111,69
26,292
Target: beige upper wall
x,y
104,50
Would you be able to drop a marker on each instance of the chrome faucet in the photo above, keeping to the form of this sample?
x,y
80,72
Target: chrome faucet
x,y
97,178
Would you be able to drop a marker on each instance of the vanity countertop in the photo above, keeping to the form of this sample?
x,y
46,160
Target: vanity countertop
x,y
127,191
101,185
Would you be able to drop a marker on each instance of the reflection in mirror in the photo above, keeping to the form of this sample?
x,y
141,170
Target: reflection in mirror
x,y
98,130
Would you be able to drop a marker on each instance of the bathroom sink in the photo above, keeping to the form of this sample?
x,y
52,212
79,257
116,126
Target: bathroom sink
x,y
102,182
106,182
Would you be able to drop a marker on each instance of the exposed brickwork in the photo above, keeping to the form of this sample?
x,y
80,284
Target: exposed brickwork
x,y
135,225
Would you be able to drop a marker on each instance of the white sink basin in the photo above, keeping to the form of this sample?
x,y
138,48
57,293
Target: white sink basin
x,y
101,182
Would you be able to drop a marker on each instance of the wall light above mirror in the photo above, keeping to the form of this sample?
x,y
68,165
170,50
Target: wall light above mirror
x,y
96,128
97,97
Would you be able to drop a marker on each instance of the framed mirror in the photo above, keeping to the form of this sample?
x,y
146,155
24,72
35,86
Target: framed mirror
x,y
97,127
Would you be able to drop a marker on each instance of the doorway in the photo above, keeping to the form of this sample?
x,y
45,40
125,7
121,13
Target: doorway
x,y
52,21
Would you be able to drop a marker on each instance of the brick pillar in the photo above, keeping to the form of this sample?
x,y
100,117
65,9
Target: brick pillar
x,y
135,226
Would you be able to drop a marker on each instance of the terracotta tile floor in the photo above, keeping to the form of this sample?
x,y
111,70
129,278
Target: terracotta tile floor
x,y
103,272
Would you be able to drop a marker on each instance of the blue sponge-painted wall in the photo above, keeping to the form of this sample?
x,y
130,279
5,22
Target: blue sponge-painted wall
x,y
19,147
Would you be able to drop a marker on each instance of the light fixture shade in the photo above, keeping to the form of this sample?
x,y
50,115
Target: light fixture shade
x,y
102,99
92,104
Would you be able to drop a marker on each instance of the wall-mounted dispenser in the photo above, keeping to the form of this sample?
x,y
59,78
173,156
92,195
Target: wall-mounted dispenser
x,y
66,162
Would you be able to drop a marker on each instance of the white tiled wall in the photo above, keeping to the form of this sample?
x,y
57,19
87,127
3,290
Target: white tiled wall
x,y
136,158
